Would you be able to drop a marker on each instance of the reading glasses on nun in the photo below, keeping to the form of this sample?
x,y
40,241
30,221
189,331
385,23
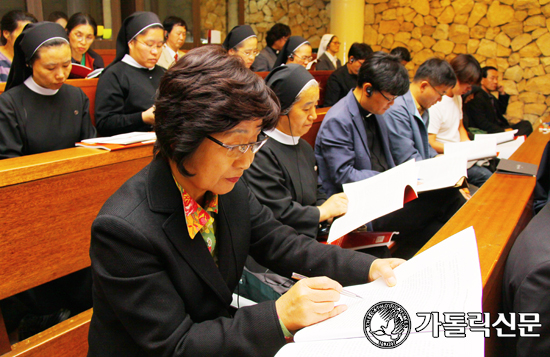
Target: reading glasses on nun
x,y
250,53
152,45
305,58
236,151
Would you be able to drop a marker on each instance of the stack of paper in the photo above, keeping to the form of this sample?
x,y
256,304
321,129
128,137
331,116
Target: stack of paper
x,y
122,141
445,278
473,150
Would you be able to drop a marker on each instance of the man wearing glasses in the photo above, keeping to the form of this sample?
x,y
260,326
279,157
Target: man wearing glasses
x,y
408,118
353,144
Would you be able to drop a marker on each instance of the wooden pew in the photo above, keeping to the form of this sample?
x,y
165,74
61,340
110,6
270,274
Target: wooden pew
x,y
108,55
320,76
49,202
499,211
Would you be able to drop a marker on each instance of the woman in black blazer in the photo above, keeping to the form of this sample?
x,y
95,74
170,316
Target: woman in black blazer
x,y
168,248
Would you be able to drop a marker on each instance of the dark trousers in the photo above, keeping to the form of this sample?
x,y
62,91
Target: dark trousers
x,y
420,219
524,127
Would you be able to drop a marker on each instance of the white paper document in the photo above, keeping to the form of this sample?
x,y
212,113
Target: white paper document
x,y
444,279
124,139
473,150
440,172
499,137
374,197
505,150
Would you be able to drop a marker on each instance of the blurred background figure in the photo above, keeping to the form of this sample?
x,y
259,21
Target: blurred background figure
x,y
11,26
296,50
275,38
82,30
403,54
326,57
175,31
241,41
60,17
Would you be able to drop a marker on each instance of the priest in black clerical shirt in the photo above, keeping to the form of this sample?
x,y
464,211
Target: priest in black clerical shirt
x,y
344,78
353,145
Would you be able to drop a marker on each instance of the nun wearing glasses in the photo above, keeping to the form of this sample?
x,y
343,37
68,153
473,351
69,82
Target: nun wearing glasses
x,y
126,89
242,42
169,247
38,112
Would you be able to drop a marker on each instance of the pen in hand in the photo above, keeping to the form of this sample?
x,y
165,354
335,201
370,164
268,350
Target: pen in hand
x,y
345,292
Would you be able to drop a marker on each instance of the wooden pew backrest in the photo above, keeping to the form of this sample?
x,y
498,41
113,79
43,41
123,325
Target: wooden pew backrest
x,y
89,87
108,55
49,202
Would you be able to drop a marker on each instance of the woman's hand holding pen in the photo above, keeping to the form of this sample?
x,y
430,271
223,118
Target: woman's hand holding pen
x,y
309,301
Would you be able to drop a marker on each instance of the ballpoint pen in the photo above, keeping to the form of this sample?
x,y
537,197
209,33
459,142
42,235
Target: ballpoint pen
x,y
343,292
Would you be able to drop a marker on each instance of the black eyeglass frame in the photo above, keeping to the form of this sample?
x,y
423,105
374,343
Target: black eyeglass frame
x,y
242,148
386,98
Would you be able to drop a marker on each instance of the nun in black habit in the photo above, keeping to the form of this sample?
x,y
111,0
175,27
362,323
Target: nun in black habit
x,y
283,174
126,89
38,113
296,50
241,41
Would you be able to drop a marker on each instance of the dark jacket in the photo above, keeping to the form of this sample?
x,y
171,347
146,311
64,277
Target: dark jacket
x,y
341,147
159,293
481,112
325,64
339,84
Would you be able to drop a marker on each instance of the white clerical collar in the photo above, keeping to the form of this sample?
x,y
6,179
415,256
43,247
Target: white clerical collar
x,y
283,138
32,85
170,51
129,60
332,59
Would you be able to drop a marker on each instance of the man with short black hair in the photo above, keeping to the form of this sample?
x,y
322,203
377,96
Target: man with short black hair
x,y
275,38
408,118
403,54
486,112
353,144
344,78
446,116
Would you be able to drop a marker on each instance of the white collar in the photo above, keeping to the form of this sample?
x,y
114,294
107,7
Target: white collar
x,y
332,58
32,85
129,60
170,51
283,138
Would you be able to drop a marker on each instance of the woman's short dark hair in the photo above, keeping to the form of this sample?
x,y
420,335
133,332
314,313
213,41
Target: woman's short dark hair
x,y
81,19
436,71
385,73
10,22
467,69
207,92
276,32
54,42
56,15
172,21
402,53
359,51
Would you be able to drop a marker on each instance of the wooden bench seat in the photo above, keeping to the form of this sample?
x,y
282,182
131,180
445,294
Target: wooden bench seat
x,y
498,211
49,203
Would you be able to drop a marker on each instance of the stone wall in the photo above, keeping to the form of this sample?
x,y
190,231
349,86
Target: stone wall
x,y
213,17
306,18
511,35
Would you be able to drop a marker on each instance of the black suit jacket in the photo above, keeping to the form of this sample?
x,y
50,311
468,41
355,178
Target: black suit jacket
x,y
526,285
481,112
159,293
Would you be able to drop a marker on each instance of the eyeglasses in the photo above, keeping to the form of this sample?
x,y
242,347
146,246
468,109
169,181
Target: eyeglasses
x,y
335,43
307,59
249,53
440,94
388,99
236,151
80,37
158,45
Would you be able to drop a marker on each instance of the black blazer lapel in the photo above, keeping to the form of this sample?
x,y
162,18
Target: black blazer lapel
x,y
164,196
